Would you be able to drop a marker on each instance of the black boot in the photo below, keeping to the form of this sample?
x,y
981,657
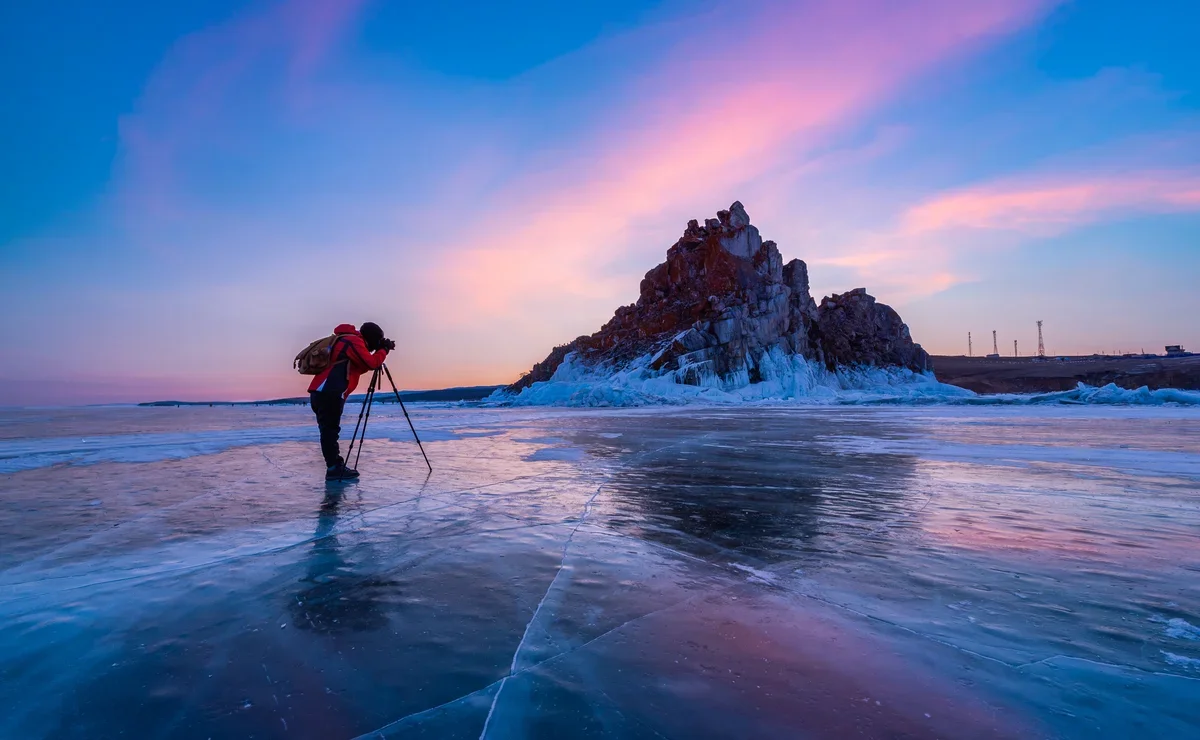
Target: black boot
x,y
340,472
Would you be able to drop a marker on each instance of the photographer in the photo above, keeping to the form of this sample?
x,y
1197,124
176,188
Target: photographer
x,y
353,353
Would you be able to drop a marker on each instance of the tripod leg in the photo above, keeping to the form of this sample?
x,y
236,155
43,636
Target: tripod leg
x,y
406,418
365,404
370,401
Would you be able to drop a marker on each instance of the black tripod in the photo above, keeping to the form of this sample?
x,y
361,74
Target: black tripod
x,y
376,382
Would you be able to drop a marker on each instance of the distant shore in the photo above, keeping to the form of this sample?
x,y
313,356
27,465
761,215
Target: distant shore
x,y
1033,375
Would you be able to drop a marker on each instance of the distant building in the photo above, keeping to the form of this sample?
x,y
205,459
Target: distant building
x,y
993,354
1174,350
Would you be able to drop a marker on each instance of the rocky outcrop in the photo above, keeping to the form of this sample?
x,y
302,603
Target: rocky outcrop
x,y
722,301
855,329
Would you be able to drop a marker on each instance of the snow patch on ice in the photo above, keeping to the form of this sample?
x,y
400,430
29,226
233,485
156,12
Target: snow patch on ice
x,y
1182,661
796,379
28,454
761,576
1178,629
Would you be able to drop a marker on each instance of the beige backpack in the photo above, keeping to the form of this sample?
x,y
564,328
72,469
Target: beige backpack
x,y
314,358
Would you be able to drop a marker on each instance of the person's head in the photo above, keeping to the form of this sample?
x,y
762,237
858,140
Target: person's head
x,y
372,335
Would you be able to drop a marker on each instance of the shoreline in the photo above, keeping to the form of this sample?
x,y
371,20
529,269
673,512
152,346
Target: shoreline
x,y
993,375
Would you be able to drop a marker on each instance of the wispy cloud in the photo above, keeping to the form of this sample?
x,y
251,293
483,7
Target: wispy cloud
x,y
729,102
1060,201
934,243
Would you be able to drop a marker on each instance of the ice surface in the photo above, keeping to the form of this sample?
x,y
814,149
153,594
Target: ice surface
x,y
722,571
797,379
295,424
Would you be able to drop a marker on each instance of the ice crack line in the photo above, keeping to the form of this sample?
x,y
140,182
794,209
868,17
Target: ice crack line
x,y
547,661
587,510
512,669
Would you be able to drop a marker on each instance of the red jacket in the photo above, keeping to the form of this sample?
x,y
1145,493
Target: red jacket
x,y
349,360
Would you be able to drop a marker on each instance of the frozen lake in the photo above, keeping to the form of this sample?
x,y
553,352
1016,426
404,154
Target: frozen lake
x,y
766,572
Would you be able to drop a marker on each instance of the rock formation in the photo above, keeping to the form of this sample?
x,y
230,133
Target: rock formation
x,y
722,301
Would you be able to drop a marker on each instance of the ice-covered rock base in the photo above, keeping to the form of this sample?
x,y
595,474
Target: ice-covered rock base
x,y
784,378
795,379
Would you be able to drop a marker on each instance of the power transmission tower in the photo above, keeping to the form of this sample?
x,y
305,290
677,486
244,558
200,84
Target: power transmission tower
x,y
970,349
1041,344
995,347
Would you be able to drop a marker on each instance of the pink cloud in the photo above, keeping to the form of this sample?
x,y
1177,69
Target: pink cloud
x,y
928,250
1058,202
725,107
898,267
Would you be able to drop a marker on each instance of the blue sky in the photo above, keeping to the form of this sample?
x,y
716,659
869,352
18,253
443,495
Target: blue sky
x,y
194,190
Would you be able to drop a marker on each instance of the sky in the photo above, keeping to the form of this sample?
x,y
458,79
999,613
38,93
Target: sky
x,y
193,191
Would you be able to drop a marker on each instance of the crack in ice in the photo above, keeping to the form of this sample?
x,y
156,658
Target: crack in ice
x,y
547,661
587,509
512,669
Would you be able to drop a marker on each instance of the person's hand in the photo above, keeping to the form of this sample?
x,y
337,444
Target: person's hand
x,y
387,344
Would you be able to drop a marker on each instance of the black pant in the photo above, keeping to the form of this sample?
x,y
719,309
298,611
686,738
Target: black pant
x,y
328,408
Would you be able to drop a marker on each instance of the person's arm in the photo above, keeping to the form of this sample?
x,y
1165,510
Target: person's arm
x,y
366,360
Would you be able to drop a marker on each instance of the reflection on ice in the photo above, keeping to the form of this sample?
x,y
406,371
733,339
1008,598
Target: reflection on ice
x,y
767,572
336,597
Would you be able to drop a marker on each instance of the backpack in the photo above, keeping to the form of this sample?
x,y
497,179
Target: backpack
x,y
314,358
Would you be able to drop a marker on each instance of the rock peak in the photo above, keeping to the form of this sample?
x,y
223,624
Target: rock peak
x,y
722,301
738,218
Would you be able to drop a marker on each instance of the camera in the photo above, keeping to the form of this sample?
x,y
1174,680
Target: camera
x,y
387,344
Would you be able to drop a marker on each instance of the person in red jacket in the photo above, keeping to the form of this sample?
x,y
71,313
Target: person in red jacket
x,y
356,351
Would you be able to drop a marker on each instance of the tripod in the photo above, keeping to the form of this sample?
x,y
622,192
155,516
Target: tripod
x,y
376,383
